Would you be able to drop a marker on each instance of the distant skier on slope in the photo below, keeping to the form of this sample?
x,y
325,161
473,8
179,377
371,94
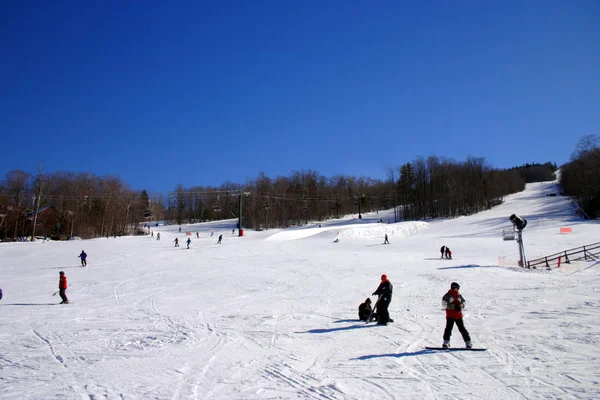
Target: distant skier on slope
x,y
386,241
448,253
220,238
443,251
176,242
83,257
454,303
188,242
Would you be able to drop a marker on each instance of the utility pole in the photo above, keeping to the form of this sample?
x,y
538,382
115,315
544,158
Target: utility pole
x,y
37,205
519,224
358,199
240,231
521,248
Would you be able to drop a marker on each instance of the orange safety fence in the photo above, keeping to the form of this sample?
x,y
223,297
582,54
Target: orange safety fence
x,y
566,230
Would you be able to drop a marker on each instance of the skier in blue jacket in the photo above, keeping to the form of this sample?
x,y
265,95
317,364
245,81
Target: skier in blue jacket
x,y
83,256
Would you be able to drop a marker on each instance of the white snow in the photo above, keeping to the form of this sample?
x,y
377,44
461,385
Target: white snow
x,y
273,314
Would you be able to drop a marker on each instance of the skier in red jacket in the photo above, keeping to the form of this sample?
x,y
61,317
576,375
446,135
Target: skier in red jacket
x,y
62,287
453,302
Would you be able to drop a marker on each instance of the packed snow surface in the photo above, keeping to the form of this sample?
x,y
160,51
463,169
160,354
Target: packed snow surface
x,y
273,314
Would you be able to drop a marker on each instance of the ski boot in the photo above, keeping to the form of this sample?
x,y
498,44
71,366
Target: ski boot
x,y
446,344
468,345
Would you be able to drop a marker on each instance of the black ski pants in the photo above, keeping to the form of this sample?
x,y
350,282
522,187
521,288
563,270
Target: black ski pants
x,y
461,327
382,311
63,295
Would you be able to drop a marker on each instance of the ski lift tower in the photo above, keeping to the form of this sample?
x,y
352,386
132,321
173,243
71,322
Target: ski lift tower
x,y
519,224
240,228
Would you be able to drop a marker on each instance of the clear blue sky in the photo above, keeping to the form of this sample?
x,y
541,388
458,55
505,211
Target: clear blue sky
x,y
199,93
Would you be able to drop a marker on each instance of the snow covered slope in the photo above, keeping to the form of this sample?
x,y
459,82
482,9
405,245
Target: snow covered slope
x,y
273,314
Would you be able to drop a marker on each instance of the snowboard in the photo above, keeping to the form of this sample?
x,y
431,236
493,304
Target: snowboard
x,y
456,348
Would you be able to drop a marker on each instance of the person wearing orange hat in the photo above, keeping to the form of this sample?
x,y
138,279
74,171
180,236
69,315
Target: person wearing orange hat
x,y
384,291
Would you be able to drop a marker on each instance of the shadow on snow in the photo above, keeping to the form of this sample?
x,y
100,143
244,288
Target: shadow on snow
x,y
470,266
396,355
342,328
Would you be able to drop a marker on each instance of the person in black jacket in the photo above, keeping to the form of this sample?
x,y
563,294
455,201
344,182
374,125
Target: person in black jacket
x,y
365,309
384,291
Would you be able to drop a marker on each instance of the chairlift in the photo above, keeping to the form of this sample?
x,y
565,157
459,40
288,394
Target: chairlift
x,y
305,206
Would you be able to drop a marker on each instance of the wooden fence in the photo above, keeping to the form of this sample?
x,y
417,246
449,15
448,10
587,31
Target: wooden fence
x,y
587,252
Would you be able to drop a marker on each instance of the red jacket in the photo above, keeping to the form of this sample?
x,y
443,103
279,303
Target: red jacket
x,y
62,282
453,302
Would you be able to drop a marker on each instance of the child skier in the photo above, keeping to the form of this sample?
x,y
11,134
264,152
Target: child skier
x,y
365,309
454,302
188,242
443,251
62,287
176,242
83,256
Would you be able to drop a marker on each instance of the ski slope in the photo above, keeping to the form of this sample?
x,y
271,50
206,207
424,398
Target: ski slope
x,y
273,314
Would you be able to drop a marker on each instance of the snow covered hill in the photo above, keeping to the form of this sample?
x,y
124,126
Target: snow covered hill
x,y
273,314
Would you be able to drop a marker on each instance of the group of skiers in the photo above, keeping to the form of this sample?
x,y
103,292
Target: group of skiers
x,y
187,242
62,284
453,302
445,250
